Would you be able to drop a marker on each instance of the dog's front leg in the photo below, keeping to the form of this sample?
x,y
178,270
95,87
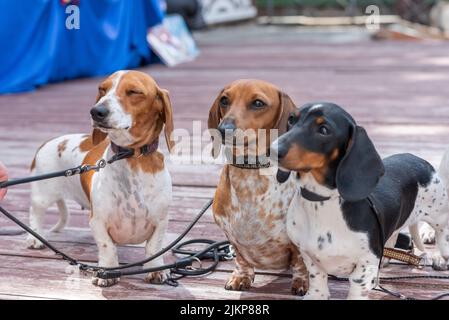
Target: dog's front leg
x,y
363,278
242,276
107,251
153,245
318,288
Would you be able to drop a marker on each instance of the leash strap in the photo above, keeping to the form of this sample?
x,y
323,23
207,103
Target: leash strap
x,y
215,250
221,251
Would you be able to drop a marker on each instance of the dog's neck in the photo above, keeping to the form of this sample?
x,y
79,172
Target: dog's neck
x,y
308,181
246,159
144,150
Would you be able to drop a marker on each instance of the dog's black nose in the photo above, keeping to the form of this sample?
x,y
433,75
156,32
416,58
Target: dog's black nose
x,y
227,126
278,151
99,113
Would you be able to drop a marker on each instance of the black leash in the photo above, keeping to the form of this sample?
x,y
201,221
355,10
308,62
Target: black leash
x,y
217,251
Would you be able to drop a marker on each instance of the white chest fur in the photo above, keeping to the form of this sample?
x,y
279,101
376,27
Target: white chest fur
x,y
130,202
321,232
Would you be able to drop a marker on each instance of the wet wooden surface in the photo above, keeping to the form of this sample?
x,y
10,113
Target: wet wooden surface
x,y
397,90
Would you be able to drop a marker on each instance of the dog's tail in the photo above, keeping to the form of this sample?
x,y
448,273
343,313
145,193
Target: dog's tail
x,y
443,170
414,233
63,216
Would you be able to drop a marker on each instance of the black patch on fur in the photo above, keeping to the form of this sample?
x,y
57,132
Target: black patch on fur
x,y
320,242
394,198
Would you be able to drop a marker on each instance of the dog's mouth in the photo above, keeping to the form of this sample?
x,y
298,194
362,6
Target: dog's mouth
x,y
104,127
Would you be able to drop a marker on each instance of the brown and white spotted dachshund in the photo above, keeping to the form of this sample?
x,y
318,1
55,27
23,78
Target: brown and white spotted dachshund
x,y
250,206
128,199
349,201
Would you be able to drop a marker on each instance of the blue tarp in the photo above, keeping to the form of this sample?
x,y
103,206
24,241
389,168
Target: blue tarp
x,y
37,48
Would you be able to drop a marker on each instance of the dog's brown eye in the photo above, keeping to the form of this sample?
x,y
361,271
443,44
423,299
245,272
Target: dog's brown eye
x,y
133,92
224,102
101,91
323,130
257,104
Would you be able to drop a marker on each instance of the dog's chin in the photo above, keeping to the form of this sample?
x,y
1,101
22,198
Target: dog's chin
x,y
106,128
282,175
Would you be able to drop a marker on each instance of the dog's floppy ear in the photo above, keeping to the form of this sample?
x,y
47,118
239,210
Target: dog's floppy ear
x,y
98,136
167,117
287,106
214,113
212,123
361,167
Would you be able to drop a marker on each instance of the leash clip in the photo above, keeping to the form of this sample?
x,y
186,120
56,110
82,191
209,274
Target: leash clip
x,y
192,267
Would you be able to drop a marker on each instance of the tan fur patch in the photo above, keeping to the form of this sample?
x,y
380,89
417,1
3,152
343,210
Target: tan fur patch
x,y
91,158
33,163
151,163
62,146
319,120
301,160
86,144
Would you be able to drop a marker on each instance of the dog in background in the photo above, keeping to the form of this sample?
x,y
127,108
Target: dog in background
x,y
341,180
128,199
249,206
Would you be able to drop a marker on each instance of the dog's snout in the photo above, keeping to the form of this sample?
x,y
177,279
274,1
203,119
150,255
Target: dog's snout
x,y
227,126
99,113
278,150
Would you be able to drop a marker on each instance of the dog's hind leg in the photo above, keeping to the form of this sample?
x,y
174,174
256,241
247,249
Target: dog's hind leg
x,y
63,216
37,213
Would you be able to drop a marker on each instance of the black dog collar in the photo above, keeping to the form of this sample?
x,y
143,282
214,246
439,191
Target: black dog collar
x,y
249,162
251,165
312,196
142,151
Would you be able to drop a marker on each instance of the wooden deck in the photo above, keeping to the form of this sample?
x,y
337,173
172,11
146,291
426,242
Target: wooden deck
x,y
398,91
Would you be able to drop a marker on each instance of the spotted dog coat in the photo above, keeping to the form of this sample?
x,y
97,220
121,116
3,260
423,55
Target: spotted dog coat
x,y
341,236
250,207
128,199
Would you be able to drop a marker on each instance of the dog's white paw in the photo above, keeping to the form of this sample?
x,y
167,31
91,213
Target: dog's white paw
x,y
427,234
439,263
33,243
157,277
104,282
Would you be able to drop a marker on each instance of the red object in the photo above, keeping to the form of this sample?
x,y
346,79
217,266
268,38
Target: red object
x,y
67,2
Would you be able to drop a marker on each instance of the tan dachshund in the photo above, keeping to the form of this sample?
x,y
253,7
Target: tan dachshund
x,y
250,206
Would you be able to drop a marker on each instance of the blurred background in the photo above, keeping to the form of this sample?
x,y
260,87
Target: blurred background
x,y
45,41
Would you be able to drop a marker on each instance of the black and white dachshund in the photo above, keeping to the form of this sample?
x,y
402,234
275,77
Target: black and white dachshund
x,y
349,201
